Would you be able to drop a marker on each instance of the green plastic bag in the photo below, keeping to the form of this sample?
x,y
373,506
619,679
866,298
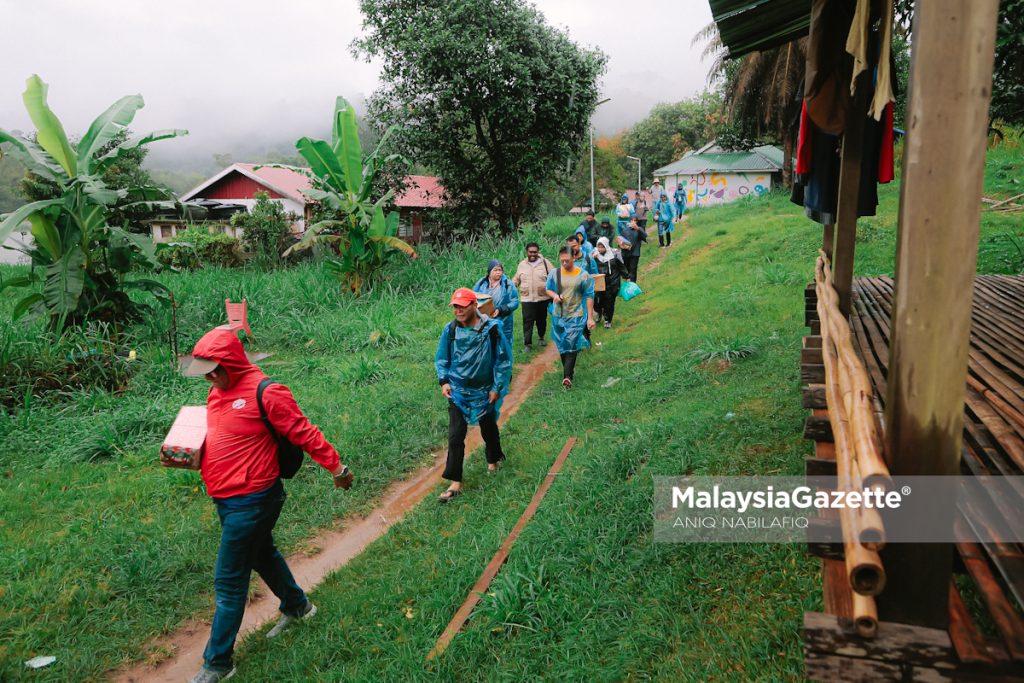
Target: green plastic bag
x,y
629,290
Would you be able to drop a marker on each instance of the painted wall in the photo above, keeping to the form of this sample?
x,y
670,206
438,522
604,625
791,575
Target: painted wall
x,y
708,189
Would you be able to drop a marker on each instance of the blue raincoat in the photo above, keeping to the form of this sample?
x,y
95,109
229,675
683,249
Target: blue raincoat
x,y
569,318
621,216
665,215
586,261
506,300
476,362
680,198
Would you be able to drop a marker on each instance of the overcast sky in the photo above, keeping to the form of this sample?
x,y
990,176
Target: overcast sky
x,y
236,74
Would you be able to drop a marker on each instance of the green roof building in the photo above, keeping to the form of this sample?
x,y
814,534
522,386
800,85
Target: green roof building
x,y
712,175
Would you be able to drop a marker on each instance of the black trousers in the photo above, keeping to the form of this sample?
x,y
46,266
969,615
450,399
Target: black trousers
x,y
665,240
457,428
569,364
642,222
632,264
534,312
604,304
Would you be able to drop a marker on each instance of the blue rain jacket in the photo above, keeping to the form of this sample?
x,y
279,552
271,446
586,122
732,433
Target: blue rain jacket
x,y
569,318
666,214
476,362
622,222
505,301
680,198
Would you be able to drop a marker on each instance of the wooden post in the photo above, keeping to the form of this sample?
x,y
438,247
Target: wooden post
x,y
849,191
936,254
828,237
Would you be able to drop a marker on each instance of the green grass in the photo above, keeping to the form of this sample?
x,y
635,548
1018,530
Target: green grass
x,y
101,549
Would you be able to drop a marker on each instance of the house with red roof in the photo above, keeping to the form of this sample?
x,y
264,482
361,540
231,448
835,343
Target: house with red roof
x,y
234,189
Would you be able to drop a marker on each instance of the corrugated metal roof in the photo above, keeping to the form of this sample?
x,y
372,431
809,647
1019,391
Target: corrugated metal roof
x,y
751,25
765,159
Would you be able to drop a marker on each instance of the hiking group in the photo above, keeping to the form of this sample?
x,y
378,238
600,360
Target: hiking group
x,y
253,423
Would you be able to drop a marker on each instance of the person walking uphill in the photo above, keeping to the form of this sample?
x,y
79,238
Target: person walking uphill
x,y
503,294
474,368
531,277
611,265
242,474
572,311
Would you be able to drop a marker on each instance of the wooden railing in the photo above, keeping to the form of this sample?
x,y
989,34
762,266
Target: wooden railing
x,y
858,448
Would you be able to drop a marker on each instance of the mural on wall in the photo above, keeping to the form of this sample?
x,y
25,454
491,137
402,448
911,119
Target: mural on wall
x,y
706,189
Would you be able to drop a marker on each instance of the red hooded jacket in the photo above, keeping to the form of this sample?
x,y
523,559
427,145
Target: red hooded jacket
x,y
241,455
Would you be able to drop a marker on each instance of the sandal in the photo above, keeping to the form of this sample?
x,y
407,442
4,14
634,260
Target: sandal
x,y
567,383
448,495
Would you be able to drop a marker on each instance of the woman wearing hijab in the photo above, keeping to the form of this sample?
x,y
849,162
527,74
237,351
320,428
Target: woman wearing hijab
x,y
504,295
611,265
624,211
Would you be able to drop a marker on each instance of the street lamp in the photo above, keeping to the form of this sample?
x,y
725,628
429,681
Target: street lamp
x,y
637,160
593,202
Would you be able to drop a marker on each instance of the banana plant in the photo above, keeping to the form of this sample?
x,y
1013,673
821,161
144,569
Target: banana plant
x,y
79,258
360,232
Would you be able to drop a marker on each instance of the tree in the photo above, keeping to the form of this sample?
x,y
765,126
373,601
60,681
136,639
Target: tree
x,y
488,95
123,173
356,227
670,130
265,229
760,90
80,258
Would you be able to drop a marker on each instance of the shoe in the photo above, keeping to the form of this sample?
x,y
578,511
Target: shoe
x,y
607,325
528,348
543,341
567,383
286,620
210,676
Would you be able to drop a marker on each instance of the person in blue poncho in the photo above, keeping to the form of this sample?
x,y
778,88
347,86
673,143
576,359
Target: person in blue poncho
x,y
582,253
624,211
679,196
504,294
664,214
572,311
474,368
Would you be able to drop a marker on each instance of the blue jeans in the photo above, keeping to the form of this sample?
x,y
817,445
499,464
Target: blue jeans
x,y
246,543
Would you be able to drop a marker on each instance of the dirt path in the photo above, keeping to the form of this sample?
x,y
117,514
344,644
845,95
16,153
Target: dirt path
x,y
186,644
339,547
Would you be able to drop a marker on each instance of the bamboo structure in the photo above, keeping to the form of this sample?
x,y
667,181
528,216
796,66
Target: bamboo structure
x,y
856,442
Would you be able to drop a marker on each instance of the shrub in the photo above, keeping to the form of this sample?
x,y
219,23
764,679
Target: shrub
x,y
266,230
196,246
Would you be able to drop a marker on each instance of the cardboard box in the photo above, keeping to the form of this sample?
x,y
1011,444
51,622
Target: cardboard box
x,y
598,282
183,446
484,304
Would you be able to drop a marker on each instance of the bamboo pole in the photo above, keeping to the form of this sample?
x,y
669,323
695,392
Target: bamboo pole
x,y
863,565
865,615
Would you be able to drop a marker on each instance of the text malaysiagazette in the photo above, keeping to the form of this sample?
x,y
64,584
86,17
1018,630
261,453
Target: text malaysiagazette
x,y
802,497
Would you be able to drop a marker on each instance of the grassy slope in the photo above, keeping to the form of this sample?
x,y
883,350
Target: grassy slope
x,y
97,556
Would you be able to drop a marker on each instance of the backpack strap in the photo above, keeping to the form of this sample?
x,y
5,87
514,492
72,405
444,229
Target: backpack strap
x,y
264,383
451,344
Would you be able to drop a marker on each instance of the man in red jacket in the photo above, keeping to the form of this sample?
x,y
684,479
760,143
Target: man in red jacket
x,y
241,473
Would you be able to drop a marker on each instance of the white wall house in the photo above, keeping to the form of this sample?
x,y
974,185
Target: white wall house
x,y
712,175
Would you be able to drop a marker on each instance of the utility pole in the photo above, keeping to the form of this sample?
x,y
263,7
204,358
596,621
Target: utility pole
x,y
638,166
593,200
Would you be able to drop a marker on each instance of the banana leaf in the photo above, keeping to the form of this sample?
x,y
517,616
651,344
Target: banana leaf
x,y
142,243
65,280
21,214
396,243
33,157
49,131
346,145
45,234
22,307
106,126
113,155
322,162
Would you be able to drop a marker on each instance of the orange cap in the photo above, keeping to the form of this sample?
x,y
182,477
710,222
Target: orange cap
x,y
463,296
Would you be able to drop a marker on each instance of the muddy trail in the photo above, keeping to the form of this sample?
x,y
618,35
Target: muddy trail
x,y
186,644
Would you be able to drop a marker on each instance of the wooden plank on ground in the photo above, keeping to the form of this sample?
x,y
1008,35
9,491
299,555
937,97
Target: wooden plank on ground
x,y
480,587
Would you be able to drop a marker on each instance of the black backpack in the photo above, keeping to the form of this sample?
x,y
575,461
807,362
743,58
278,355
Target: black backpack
x,y
289,456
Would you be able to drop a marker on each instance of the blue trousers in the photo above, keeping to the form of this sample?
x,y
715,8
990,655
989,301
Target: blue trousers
x,y
246,543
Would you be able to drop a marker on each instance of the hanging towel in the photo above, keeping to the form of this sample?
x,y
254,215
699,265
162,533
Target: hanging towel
x,y
857,40
883,86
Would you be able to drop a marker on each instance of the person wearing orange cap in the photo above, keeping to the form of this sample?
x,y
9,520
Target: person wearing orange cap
x,y
474,368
